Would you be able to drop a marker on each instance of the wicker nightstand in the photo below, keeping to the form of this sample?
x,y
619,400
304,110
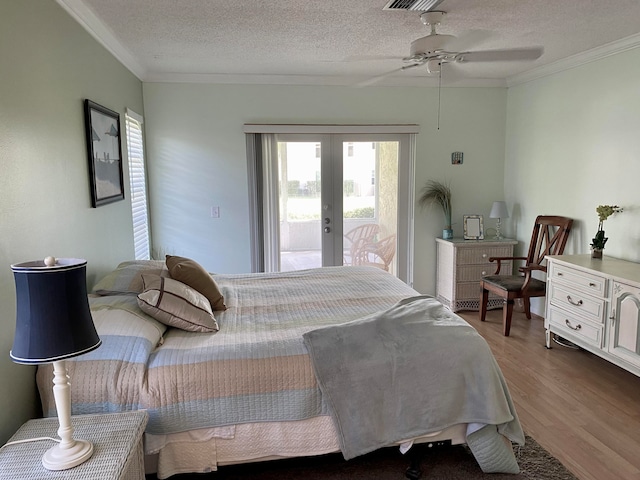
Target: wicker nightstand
x,y
117,440
461,264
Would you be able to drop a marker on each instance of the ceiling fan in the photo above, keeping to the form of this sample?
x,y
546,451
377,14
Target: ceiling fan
x,y
435,50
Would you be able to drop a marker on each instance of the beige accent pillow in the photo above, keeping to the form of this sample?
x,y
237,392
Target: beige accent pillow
x,y
176,304
193,274
126,278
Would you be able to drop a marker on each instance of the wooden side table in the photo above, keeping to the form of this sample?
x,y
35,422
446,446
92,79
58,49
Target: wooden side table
x,y
461,264
117,441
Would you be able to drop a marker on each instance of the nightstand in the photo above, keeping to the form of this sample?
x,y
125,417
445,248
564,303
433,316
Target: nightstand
x,y
461,264
117,441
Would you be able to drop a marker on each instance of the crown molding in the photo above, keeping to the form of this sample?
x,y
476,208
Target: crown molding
x,y
314,80
598,53
97,29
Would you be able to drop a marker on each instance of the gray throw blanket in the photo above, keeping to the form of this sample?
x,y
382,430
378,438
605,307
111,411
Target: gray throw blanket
x,y
414,369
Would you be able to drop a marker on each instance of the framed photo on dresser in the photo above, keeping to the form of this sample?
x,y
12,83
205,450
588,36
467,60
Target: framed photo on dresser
x,y
473,227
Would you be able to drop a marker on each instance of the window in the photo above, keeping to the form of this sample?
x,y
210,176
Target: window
x,y
138,185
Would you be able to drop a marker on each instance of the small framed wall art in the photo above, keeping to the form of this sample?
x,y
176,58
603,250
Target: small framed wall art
x,y
102,131
473,227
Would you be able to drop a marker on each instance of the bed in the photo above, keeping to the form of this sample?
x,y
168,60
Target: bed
x,y
251,387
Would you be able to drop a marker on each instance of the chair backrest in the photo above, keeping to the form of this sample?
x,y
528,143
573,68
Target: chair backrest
x,y
365,232
386,250
379,254
549,237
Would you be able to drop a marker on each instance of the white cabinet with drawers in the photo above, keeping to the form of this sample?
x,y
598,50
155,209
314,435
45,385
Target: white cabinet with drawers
x,y
595,303
461,264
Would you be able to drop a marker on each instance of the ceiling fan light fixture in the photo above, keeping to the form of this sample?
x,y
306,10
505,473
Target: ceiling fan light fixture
x,y
413,5
434,65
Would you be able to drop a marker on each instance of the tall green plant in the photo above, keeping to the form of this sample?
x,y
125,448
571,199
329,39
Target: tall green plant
x,y
435,192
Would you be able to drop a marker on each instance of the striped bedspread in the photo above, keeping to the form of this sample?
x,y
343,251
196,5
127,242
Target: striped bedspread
x,y
255,369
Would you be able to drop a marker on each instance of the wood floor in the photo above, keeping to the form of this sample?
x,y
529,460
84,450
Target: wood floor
x,y
582,409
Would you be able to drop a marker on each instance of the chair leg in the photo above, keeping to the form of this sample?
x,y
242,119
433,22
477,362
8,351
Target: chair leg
x,y
483,304
527,307
507,311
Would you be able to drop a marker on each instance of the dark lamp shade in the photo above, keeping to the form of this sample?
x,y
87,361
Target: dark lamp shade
x,y
53,320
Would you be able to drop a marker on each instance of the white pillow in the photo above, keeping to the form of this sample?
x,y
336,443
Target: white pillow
x,y
176,304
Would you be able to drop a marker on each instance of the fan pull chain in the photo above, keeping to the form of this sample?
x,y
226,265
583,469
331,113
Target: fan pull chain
x,y
439,92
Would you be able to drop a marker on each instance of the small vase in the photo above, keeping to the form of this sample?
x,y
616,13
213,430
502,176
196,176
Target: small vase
x,y
447,233
596,253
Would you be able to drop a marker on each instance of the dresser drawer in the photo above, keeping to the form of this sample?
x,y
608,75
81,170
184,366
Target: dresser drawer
x,y
481,254
470,273
576,302
584,281
563,322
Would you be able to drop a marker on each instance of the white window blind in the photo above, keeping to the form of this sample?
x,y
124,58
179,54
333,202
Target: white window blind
x,y
138,185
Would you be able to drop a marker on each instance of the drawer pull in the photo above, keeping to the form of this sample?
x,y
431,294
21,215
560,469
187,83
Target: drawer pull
x,y
484,255
570,300
578,327
559,274
591,284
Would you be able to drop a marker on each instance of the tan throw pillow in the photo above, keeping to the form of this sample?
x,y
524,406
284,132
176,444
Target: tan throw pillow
x,y
193,274
176,304
126,278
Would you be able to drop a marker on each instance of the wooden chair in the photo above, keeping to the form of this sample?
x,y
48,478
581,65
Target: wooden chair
x,y
359,236
549,237
378,254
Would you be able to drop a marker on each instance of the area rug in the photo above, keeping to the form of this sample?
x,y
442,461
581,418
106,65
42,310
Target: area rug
x,y
444,463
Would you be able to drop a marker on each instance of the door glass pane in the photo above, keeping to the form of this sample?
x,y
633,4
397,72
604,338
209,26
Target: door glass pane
x,y
300,205
370,204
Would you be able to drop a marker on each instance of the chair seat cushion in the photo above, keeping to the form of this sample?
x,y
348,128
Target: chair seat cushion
x,y
514,283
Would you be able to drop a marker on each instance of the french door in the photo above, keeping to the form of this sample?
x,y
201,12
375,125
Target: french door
x,y
333,199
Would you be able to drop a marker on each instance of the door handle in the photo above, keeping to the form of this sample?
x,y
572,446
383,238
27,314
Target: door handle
x,y
327,230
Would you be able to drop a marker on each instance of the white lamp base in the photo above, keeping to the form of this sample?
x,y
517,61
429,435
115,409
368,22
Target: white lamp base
x,y
69,452
57,458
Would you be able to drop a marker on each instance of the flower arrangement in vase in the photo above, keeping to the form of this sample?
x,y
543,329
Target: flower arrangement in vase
x,y
439,193
599,241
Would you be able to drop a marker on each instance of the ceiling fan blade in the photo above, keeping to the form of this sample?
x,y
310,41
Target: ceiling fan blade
x,y
469,39
377,78
508,55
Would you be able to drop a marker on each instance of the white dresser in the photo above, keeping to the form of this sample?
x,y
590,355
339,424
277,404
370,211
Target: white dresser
x,y
461,264
595,303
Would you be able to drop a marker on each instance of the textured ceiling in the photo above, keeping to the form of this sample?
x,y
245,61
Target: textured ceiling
x,y
340,41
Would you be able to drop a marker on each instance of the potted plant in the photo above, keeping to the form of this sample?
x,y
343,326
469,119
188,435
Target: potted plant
x,y
439,193
599,241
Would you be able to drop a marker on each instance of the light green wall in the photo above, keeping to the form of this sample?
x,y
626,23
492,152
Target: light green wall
x,y
197,157
48,65
573,143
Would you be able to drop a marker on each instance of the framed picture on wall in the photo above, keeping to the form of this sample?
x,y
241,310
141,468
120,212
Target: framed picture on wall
x,y
102,130
473,227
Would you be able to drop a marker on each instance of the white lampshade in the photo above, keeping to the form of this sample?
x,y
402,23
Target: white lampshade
x,y
499,210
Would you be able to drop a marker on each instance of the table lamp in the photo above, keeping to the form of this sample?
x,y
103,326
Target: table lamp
x,y
53,323
499,211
